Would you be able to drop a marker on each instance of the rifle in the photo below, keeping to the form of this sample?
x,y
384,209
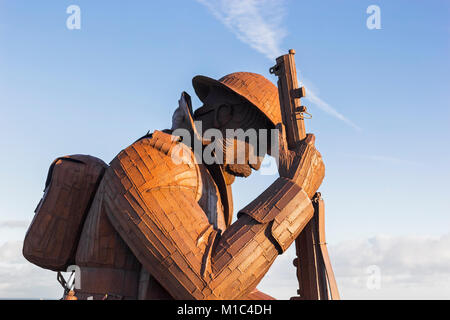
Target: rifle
x,y
314,271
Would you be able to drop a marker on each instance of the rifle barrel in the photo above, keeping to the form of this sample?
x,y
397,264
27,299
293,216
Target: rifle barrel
x,y
290,94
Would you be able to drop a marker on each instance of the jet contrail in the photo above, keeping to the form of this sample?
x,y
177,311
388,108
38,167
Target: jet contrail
x,y
258,23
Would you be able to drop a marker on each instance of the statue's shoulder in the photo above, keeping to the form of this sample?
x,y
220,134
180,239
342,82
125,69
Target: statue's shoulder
x,y
158,160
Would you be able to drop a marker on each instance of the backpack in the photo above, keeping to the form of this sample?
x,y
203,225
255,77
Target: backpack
x,y
52,238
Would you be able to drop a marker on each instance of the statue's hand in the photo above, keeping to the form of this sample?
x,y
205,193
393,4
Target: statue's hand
x,y
303,165
180,118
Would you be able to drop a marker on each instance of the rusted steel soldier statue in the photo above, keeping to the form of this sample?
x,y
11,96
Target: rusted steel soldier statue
x,y
161,229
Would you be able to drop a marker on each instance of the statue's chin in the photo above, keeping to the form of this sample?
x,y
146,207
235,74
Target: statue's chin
x,y
238,170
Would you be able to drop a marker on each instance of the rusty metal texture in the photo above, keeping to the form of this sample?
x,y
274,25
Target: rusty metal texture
x,y
174,238
256,89
52,238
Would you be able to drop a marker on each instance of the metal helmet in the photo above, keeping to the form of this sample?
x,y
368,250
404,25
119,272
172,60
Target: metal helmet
x,y
253,87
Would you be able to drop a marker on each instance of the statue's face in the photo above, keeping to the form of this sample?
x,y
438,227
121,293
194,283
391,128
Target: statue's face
x,y
226,111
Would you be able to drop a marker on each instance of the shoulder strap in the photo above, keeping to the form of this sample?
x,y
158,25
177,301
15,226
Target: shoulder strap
x,y
226,195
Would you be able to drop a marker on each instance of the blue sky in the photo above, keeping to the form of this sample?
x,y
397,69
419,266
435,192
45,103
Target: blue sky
x,y
97,89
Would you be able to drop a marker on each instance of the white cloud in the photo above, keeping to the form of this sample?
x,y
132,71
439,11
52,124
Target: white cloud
x,y
10,224
411,267
383,159
258,23
324,106
23,280
254,22
388,159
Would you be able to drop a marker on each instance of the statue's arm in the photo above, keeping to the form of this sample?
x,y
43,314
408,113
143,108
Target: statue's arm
x,y
171,236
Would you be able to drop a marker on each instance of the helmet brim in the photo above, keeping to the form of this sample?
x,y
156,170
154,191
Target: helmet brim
x,y
202,85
